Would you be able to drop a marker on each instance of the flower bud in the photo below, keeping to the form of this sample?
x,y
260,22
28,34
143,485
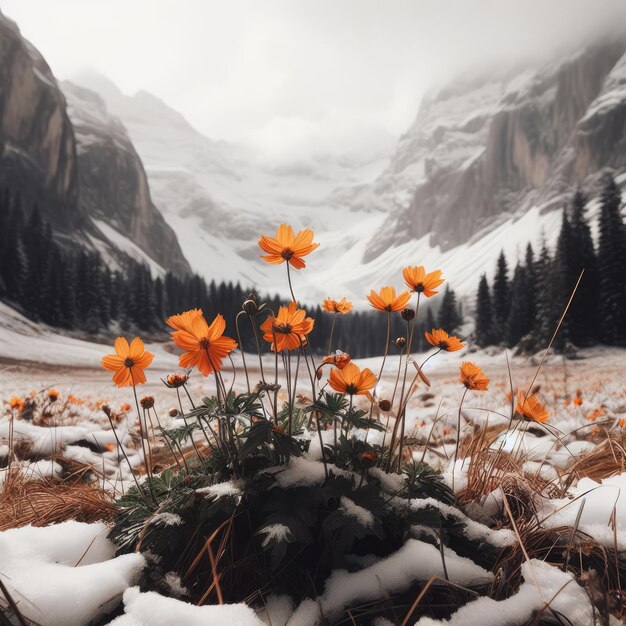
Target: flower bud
x,y
407,314
384,405
400,342
173,412
369,458
147,402
250,306
176,380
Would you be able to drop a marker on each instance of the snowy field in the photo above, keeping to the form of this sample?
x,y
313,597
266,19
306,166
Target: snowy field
x,y
68,573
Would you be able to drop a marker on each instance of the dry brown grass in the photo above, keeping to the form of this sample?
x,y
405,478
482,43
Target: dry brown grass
x,y
41,503
607,459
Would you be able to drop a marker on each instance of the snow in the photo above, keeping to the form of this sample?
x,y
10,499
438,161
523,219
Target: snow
x,y
66,574
543,585
603,504
128,247
24,340
361,515
152,609
416,560
220,490
274,533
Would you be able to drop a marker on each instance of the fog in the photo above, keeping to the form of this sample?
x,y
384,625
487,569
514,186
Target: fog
x,y
301,77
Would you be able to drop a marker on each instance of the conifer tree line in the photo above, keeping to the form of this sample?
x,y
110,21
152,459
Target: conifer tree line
x,y
74,289
523,305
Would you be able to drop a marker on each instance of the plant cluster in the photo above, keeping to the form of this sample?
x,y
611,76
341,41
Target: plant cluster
x,y
286,482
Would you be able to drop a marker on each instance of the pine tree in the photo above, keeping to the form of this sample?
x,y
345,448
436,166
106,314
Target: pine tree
x,y
583,313
612,265
501,298
517,322
484,314
448,317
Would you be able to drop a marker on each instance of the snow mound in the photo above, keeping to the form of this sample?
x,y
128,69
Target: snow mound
x,y
65,574
543,585
152,609
416,560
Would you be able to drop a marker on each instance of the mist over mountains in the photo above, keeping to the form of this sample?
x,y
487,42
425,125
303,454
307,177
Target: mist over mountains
x,y
487,164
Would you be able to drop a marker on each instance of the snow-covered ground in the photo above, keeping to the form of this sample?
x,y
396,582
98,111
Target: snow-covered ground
x,y
43,567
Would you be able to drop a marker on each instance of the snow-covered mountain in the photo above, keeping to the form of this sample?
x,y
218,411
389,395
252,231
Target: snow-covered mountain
x,y
487,164
218,197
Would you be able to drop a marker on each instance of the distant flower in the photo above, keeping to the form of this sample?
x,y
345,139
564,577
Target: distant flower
x,y
577,401
419,281
352,380
53,395
529,407
288,330
176,380
129,362
342,306
621,422
125,408
386,299
473,377
439,338
338,359
17,403
204,346
287,246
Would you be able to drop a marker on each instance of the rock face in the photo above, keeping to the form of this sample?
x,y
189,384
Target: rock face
x,y
112,181
38,153
76,164
492,147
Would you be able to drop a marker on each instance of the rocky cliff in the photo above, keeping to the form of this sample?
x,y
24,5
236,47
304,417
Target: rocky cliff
x,y
37,148
112,181
493,146
77,165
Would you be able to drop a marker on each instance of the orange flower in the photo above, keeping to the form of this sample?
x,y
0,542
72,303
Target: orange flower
x,y
53,395
419,281
17,403
342,306
473,377
184,321
386,299
530,408
439,338
288,247
338,359
352,380
288,330
129,363
578,400
204,346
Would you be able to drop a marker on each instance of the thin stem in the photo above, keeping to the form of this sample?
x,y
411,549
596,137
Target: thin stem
x,y
289,280
332,330
458,437
243,356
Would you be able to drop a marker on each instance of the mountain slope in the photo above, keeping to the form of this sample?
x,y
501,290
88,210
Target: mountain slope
x,y
485,150
77,176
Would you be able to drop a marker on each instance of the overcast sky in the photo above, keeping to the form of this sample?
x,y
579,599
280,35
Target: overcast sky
x,y
297,75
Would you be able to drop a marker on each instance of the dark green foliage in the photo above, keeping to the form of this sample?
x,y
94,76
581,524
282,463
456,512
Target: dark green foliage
x,y
484,314
449,317
612,265
583,314
286,526
501,298
541,288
